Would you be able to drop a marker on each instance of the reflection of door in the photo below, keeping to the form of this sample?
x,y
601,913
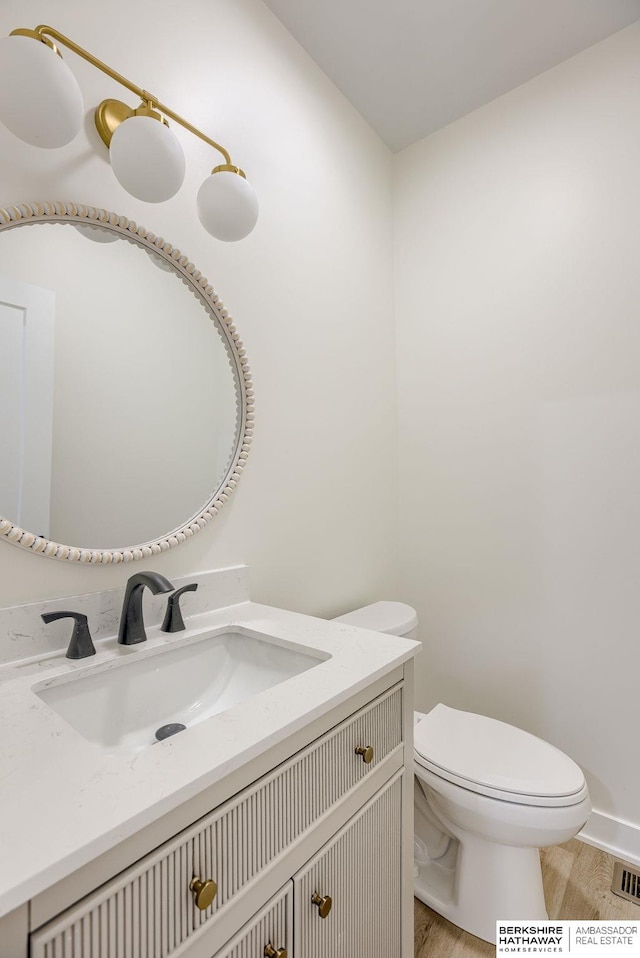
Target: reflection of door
x,y
27,315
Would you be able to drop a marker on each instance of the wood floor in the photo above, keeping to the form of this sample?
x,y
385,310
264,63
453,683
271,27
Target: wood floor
x,y
577,885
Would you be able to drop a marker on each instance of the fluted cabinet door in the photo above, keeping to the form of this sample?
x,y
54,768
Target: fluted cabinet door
x,y
268,933
360,871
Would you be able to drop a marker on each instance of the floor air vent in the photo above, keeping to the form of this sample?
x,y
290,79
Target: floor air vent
x,y
626,882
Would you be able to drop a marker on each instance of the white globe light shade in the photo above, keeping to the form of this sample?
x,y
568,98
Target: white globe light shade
x,y
227,206
160,262
95,234
40,100
147,159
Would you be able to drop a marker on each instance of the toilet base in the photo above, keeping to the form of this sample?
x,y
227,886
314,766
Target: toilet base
x,y
478,883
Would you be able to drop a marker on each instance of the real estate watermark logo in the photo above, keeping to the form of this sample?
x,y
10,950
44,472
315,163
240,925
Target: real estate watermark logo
x,y
580,939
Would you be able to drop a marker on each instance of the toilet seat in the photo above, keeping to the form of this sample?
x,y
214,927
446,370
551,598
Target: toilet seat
x,y
495,759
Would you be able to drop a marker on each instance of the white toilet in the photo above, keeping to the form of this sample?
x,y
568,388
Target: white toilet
x,y
487,797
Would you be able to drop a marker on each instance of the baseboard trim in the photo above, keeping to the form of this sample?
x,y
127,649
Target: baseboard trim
x,y
618,838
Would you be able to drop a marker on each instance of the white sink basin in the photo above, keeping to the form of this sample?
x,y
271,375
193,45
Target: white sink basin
x,y
121,706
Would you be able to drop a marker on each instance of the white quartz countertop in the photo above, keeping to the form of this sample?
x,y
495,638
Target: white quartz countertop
x,y
65,800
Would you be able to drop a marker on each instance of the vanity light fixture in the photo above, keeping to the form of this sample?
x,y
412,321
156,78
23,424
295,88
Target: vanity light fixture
x,y
41,103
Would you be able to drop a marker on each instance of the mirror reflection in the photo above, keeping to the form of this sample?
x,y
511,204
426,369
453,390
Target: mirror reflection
x,y
119,400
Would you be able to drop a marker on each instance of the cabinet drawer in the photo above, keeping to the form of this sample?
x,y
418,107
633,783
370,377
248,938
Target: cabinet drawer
x,y
149,910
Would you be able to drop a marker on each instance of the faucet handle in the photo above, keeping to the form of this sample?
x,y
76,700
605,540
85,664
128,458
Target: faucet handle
x,y
81,644
173,621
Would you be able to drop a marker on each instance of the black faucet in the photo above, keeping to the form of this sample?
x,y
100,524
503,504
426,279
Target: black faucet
x,y
131,629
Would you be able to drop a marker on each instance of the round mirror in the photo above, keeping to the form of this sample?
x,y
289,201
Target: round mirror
x,y
126,399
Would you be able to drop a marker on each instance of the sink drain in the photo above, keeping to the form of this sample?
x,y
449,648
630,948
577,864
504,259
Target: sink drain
x,y
165,731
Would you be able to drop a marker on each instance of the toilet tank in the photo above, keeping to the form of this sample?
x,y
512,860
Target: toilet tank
x,y
394,618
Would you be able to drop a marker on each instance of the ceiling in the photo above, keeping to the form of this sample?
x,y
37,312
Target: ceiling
x,y
412,66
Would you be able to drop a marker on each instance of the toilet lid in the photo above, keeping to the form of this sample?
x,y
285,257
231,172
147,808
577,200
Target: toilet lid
x,y
474,750
394,618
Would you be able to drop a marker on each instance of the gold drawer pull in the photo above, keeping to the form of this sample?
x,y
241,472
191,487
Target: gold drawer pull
x,y
324,904
367,753
271,952
204,891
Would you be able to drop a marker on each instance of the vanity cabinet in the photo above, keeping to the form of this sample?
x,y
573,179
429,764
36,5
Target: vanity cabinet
x,y
331,821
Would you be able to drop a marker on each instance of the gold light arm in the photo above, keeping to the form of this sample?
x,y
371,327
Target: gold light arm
x,y
45,31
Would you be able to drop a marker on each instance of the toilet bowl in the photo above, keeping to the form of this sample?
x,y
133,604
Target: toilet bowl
x,y
488,796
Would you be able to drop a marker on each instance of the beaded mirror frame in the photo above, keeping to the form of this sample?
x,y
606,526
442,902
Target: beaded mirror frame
x,y
80,215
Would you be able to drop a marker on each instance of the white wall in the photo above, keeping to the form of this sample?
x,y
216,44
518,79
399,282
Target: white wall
x,y
518,286
310,290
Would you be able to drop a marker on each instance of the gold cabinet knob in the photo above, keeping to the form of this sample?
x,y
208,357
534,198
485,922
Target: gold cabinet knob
x,y
366,751
324,904
271,952
204,892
